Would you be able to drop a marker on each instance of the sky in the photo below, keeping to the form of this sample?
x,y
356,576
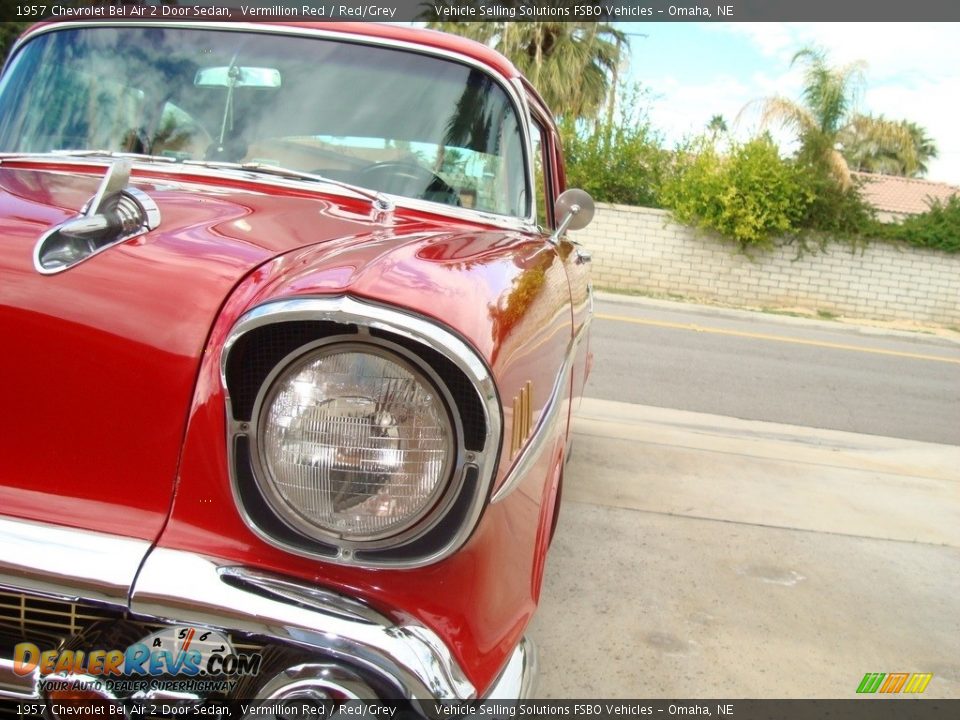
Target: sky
x,y
697,70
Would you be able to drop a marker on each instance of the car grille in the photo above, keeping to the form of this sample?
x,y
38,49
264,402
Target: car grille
x,y
24,617
56,624
42,621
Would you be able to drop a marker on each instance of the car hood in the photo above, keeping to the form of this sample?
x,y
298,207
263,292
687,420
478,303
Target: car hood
x,y
104,356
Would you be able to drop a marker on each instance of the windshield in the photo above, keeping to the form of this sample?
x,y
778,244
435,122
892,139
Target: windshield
x,y
389,120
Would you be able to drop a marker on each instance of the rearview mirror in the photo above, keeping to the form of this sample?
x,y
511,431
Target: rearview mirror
x,y
235,76
574,210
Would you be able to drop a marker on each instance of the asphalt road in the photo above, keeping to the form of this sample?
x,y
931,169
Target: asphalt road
x,y
781,369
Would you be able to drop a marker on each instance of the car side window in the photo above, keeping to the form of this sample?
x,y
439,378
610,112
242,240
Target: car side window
x,y
541,176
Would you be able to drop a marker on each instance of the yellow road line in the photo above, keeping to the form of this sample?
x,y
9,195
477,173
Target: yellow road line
x,y
775,338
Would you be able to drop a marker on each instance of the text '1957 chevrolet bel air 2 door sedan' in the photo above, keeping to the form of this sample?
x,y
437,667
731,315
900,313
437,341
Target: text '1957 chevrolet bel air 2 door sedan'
x,y
293,330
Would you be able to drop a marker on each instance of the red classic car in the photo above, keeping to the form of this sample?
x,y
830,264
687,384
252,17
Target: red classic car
x,y
293,332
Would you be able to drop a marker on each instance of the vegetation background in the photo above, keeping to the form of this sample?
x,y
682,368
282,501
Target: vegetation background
x,y
749,192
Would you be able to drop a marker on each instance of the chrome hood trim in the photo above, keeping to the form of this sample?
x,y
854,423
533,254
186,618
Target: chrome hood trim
x,y
67,563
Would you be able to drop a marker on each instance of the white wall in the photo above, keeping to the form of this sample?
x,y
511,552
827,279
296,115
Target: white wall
x,y
640,249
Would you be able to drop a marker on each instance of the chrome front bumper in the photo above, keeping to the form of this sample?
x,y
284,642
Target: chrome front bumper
x,y
188,589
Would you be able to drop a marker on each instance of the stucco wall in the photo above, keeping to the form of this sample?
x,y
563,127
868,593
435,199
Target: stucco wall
x,y
640,249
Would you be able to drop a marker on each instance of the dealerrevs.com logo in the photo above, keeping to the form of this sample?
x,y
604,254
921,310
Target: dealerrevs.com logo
x,y
175,658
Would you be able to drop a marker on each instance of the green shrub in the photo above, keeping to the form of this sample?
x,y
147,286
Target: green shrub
x,y
839,212
748,194
938,228
618,160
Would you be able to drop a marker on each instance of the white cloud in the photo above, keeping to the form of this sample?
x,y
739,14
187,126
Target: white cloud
x,y
684,109
911,72
775,40
889,49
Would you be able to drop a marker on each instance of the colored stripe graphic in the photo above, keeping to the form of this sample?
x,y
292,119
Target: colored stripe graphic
x,y
918,682
894,682
870,682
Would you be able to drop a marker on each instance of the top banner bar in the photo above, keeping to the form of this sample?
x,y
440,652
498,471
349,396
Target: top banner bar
x,y
490,10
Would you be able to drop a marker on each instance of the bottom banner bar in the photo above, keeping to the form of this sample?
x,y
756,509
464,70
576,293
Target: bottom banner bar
x,y
875,708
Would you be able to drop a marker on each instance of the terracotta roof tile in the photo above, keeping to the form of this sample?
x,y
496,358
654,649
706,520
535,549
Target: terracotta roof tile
x,y
900,195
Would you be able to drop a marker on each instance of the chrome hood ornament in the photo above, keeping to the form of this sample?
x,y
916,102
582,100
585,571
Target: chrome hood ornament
x,y
116,213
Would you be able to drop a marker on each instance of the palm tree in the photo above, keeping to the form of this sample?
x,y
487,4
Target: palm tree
x,y
829,95
833,136
924,145
877,145
570,63
717,126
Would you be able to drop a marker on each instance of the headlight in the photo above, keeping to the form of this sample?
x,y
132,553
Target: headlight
x,y
354,442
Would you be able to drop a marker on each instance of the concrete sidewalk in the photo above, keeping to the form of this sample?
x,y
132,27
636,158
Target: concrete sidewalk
x,y
762,473
703,556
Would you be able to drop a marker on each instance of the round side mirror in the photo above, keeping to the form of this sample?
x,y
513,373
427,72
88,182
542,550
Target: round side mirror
x,y
574,209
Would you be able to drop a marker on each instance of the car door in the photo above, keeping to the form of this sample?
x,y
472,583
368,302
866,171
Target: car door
x,y
549,178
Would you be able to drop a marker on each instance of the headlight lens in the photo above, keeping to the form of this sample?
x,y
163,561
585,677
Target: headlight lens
x,y
355,443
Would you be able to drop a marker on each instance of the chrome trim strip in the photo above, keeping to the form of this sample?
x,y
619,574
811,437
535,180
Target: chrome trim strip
x,y
18,687
297,593
67,563
512,86
550,416
347,310
186,588
518,679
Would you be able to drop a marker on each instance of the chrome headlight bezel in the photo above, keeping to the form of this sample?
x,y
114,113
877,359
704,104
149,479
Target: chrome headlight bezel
x,y
267,335
417,524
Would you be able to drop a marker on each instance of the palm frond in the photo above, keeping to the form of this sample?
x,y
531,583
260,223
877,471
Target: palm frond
x,y
878,145
788,115
829,93
571,64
